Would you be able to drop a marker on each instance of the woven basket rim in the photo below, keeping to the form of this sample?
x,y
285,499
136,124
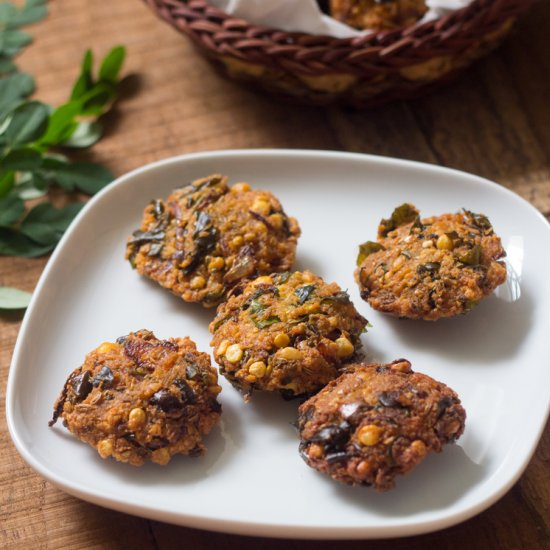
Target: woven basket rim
x,y
366,66
444,25
397,63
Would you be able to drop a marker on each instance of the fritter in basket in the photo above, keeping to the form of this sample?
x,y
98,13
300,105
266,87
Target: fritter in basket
x,y
378,14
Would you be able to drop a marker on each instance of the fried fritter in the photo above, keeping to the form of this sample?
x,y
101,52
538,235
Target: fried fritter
x,y
288,332
375,422
142,399
206,237
378,14
436,267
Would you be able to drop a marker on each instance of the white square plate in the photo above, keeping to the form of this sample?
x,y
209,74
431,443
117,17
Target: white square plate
x,y
252,480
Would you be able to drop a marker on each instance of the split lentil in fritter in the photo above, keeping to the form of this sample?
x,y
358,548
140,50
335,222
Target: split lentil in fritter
x,y
436,267
287,332
206,237
142,399
376,422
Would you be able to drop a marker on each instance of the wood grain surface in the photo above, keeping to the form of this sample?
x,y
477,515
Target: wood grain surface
x,y
495,122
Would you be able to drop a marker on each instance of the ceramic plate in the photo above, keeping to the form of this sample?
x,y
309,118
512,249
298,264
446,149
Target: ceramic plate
x,y
252,480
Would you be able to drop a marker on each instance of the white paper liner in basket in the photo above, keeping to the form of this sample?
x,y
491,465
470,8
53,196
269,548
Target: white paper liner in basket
x,y
305,15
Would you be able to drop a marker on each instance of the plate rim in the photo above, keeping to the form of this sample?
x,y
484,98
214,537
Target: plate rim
x,y
237,526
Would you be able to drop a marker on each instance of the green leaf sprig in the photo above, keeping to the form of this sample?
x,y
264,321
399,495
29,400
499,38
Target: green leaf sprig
x,y
33,136
12,40
13,298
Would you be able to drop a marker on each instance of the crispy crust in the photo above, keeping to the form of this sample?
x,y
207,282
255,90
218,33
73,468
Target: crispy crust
x,y
373,14
437,267
205,238
142,399
376,422
294,333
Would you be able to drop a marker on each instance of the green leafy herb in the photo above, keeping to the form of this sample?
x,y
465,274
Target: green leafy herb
x,y
190,188
219,323
341,297
298,320
12,40
304,293
406,213
13,298
479,221
255,307
366,249
25,124
13,89
30,128
263,323
473,256
45,224
205,237
282,277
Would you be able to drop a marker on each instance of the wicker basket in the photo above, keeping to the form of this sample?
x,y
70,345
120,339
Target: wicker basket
x,y
363,71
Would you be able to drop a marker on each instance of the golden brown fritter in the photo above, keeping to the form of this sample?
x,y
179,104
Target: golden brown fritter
x,y
206,237
142,399
288,332
375,422
432,268
378,14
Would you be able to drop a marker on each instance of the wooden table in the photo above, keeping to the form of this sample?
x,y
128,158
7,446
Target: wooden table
x,y
494,122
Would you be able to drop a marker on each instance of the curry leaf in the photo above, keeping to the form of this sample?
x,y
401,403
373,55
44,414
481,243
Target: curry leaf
x,y
263,323
6,64
61,124
12,41
31,185
28,123
45,224
11,209
366,249
28,129
84,135
111,65
13,89
13,243
32,12
84,81
7,13
21,159
84,176
7,180
406,213
13,298
304,292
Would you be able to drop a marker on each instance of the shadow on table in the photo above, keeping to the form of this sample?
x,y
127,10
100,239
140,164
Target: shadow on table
x,y
12,316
